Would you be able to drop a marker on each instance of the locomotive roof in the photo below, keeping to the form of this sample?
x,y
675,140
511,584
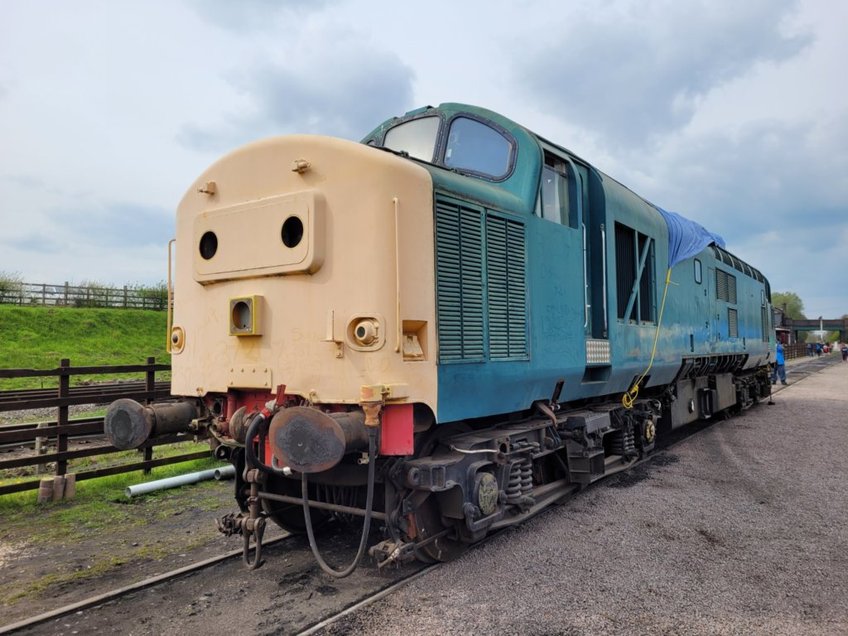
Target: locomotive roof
x,y
686,237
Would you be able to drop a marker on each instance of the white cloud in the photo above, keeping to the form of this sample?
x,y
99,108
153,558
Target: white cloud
x,y
342,91
731,113
634,72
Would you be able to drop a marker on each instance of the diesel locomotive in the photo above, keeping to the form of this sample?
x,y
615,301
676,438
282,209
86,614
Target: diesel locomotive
x,y
442,330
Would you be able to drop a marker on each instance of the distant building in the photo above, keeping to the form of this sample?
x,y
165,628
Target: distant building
x,y
783,333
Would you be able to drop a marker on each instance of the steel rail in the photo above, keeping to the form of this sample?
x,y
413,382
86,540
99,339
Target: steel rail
x,y
366,601
127,589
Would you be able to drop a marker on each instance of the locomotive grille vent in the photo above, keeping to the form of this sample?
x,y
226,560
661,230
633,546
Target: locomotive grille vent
x,y
507,291
725,286
732,324
481,284
459,280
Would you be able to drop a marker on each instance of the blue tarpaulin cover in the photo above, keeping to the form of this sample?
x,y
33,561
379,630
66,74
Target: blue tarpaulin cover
x,y
686,238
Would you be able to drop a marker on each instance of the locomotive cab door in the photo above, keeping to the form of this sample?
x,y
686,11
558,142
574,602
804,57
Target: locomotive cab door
x,y
596,325
565,200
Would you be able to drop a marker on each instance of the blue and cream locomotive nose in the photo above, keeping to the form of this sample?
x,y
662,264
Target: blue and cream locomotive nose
x,y
304,287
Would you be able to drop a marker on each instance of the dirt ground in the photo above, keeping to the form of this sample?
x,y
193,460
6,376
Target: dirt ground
x,y
158,534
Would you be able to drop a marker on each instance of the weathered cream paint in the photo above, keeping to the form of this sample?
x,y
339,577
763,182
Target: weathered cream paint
x,y
347,200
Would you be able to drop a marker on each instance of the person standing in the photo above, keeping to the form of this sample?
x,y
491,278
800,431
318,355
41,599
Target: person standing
x,y
844,352
779,365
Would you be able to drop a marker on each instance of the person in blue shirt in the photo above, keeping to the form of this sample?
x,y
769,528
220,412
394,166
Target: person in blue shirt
x,y
779,370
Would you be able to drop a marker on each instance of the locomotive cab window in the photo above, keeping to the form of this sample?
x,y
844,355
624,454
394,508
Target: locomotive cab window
x,y
416,137
698,272
558,192
478,148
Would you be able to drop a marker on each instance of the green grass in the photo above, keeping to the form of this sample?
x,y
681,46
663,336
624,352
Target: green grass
x,y
92,493
39,337
82,464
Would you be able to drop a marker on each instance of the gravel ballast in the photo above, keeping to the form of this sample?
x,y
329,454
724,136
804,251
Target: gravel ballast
x,y
739,529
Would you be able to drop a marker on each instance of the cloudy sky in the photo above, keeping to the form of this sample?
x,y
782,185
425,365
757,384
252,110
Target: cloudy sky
x,y
732,113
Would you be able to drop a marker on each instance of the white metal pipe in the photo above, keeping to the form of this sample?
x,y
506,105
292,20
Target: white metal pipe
x,y
171,482
225,472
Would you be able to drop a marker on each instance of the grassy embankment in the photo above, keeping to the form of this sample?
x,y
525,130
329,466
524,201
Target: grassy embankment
x,y
37,338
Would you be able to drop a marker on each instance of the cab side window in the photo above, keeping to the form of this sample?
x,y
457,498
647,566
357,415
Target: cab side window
x,y
558,192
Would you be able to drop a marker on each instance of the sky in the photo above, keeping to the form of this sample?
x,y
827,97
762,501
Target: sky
x,y
734,114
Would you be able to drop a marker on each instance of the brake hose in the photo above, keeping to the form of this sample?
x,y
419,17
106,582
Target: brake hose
x,y
252,460
372,460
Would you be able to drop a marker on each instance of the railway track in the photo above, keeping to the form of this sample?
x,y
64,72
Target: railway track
x,y
293,568
120,592
26,430
20,403
167,595
28,399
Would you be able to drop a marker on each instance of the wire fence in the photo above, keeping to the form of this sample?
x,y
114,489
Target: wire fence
x,y
66,295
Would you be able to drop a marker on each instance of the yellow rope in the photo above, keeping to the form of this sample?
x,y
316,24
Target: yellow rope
x,y
629,398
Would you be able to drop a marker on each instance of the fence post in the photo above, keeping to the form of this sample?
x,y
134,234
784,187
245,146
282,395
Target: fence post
x,y
62,420
149,386
43,293
40,449
66,293
125,296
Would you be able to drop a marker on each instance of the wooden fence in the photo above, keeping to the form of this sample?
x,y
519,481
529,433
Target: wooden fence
x,y
17,293
58,432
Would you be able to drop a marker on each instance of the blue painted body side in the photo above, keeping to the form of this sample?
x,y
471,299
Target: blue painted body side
x,y
694,323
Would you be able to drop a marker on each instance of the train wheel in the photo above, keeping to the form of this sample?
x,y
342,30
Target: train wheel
x,y
428,521
289,516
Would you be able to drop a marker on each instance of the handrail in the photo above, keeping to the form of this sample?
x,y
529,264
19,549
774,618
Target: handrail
x,y
604,274
397,276
585,280
169,321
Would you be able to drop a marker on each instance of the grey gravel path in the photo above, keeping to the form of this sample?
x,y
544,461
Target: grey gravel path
x,y
740,529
